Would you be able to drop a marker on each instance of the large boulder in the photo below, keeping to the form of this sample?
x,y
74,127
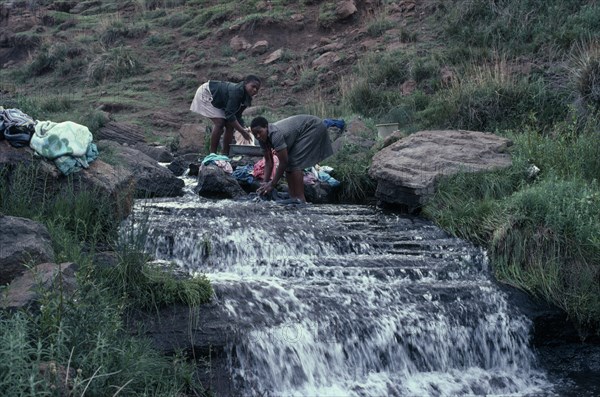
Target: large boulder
x,y
407,171
151,179
39,179
191,138
158,153
215,183
27,288
22,242
115,183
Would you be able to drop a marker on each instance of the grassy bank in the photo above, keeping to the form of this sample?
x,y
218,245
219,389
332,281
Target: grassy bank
x,y
530,73
76,343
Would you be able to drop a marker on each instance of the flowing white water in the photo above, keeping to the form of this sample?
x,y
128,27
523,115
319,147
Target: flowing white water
x,y
348,301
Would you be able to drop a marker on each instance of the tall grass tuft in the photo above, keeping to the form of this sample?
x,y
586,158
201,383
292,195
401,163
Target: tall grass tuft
x,y
114,65
585,74
76,343
541,228
350,167
492,97
144,285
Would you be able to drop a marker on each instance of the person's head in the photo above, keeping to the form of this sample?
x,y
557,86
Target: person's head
x,y
252,84
260,128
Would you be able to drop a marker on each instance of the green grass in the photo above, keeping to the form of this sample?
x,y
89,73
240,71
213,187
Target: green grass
x,y
350,167
114,65
521,26
541,232
76,343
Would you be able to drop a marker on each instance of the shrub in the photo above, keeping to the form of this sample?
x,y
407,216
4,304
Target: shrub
x,y
327,16
547,245
379,26
541,232
77,344
114,65
491,98
520,26
115,30
585,74
350,167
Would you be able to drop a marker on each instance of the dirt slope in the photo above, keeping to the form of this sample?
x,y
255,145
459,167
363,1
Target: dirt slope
x,y
317,55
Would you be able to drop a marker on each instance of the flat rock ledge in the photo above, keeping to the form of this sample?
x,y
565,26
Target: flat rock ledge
x,y
407,171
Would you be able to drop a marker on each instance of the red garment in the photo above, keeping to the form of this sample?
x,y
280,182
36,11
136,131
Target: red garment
x,y
259,167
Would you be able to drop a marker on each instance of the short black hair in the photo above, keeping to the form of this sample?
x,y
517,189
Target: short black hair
x,y
259,121
252,78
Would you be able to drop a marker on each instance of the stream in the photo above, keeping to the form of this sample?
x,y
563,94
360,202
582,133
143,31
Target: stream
x,y
348,300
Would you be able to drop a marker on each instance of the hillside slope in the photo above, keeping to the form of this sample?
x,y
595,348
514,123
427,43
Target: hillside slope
x,y
143,60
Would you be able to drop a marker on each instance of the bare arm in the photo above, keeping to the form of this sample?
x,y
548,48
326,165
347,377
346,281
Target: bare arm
x,y
268,164
236,125
282,155
269,185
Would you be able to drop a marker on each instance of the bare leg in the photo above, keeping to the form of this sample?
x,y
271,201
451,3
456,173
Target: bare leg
x,y
215,136
295,181
227,138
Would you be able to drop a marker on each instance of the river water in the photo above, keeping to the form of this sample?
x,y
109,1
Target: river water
x,y
347,300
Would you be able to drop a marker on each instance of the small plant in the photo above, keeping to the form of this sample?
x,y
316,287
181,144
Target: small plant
x,y
407,36
350,167
115,30
93,120
327,15
114,65
586,75
379,26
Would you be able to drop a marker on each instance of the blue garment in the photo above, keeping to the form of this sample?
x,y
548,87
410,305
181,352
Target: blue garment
x,y
70,164
244,173
325,177
339,123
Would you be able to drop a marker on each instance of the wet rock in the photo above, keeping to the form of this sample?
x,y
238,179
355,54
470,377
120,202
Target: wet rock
x,y
320,193
182,163
158,153
215,183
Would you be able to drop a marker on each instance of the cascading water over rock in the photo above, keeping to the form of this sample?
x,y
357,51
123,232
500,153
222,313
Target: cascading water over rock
x,y
348,301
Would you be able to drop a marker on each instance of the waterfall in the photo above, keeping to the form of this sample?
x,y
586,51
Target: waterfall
x,y
348,300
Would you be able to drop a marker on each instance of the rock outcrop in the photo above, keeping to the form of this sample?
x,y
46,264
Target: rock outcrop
x,y
215,183
26,289
407,171
151,179
22,242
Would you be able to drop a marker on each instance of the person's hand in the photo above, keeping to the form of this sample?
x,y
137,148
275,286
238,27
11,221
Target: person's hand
x,y
265,188
247,135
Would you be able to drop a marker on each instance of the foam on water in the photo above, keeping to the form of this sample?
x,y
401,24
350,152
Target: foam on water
x,y
349,301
